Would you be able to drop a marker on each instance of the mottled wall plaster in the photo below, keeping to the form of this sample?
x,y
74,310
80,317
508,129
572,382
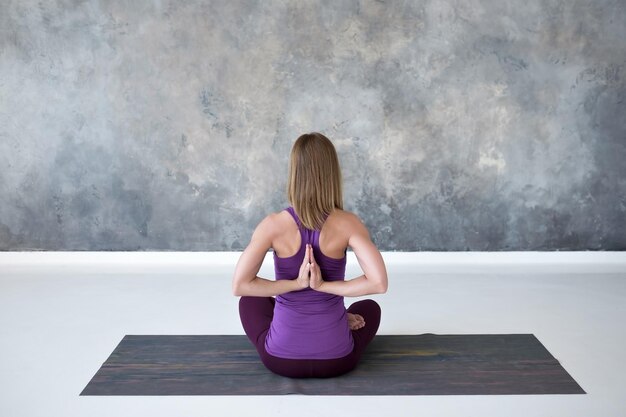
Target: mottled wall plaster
x,y
166,125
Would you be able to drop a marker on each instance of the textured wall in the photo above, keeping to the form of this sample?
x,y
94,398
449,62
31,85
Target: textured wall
x,y
167,125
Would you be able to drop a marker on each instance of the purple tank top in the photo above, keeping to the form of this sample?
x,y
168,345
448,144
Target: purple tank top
x,y
309,324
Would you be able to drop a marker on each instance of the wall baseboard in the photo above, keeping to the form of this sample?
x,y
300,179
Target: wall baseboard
x,y
558,261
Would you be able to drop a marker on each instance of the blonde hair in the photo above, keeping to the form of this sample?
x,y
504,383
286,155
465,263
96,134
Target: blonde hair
x,y
314,188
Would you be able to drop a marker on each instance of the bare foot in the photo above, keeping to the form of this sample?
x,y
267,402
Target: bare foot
x,y
355,321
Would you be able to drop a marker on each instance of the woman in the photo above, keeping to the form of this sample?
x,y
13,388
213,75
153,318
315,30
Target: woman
x,y
306,331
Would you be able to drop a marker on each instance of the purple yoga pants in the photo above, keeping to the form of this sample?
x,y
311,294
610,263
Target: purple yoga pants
x,y
256,315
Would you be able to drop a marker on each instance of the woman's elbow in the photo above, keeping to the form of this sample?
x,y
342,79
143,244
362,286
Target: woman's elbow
x,y
378,287
383,284
237,289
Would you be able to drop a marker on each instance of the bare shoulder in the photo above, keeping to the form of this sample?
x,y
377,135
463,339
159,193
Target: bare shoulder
x,y
357,235
272,224
348,221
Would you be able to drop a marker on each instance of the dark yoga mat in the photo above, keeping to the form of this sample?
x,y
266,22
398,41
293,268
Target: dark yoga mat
x,y
425,364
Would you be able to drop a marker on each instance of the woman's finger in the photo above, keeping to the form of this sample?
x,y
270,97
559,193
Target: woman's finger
x,y
303,277
315,276
306,256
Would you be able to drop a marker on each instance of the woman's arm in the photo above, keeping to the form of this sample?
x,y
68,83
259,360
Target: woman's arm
x,y
374,279
245,279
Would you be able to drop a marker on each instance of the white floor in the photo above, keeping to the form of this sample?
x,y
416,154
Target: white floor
x,y
59,323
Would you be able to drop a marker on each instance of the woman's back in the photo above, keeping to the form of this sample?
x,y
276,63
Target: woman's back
x,y
298,322
307,323
333,236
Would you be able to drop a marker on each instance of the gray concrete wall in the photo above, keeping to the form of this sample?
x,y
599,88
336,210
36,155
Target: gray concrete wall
x,y
167,125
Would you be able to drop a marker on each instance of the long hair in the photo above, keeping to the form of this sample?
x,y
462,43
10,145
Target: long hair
x,y
314,188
